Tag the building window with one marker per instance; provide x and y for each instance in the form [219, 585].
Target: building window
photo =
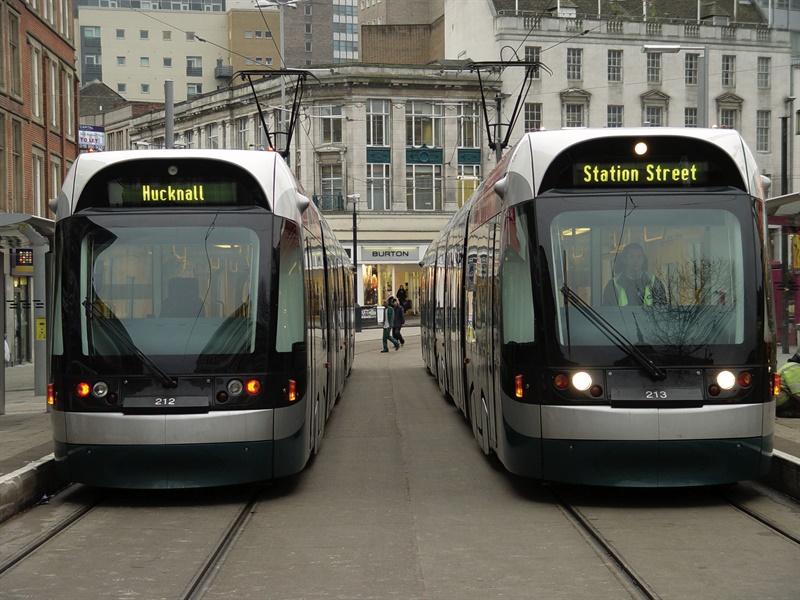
[690, 117]
[728, 70]
[653, 116]
[122, 88]
[654, 67]
[614, 115]
[120, 34]
[615, 66]
[248, 34]
[424, 187]
[144, 34]
[55, 176]
[194, 66]
[309, 47]
[308, 28]
[120, 61]
[532, 54]
[691, 64]
[69, 103]
[243, 133]
[763, 72]
[37, 184]
[423, 124]
[212, 135]
[330, 120]
[378, 120]
[575, 64]
[144, 61]
[574, 115]
[762, 130]
[727, 118]
[36, 82]
[145, 88]
[330, 177]
[167, 62]
[166, 36]
[379, 186]
[15, 54]
[469, 178]
[533, 116]
[54, 95]
[468, 125]
[17, 177]
[193, 89]
[190, 36]
[4, 207]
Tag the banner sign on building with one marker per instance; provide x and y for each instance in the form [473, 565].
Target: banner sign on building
[387, 254]
[91, 138]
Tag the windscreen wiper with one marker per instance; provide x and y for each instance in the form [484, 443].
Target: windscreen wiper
[120, 336]
[613, 334]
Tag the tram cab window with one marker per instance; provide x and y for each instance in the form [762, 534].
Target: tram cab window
[176, 292]
[517, 286]
[691, 290]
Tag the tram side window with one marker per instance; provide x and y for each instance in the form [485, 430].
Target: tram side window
[517, 285]
[290, 323]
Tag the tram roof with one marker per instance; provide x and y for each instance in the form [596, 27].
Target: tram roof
[268, 168]
[544, 146]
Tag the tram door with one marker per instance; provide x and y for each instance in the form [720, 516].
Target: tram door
[493, 364]
[317, 344]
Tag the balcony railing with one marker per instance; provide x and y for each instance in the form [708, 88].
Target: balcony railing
[194, 71]
[329, 203]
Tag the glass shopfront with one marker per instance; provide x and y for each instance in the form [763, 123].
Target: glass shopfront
[390, 271]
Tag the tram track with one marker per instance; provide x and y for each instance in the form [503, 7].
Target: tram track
[633, 583]
[45, 537]
[767, 522]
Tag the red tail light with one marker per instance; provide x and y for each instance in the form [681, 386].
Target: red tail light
[518, 386]
[253, 386]
[83, 389]
[51, 395]
[776, 384]
[291, 392]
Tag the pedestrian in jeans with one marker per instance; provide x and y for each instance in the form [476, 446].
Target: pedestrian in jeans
[388, 321]
[399, 321]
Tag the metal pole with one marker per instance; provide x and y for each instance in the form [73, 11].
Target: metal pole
[786, 287]
[282, 9]
[169, 114]
[498, 147]
[355, 264]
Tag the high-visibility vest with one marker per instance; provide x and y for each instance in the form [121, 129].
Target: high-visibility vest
[622, 296]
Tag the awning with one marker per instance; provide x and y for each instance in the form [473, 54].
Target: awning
[18, 230]
[784, 206]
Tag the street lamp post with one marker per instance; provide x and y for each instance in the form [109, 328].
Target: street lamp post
[702, 74]
[355, 198]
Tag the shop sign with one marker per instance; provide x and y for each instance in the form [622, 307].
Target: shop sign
[393, 254]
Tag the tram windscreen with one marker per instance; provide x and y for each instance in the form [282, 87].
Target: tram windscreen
[667, 272]
[187, 292]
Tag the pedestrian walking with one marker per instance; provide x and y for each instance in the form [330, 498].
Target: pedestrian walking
[388, 322]
[399, 321]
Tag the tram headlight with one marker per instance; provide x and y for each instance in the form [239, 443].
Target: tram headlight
[582, 381]
[100, 389]
[726, 380]
[235, 387]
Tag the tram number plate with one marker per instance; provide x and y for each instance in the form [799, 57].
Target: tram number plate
[165, 401]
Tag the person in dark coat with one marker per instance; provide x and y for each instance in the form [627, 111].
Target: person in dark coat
[399, 321]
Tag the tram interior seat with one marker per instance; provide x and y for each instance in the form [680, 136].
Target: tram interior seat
[183, 298]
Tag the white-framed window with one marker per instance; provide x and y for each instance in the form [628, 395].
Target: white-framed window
[575, 64]
[424, 187]
[379, 194]
[690, 118]
[36, 82]
[532, 54]
[763, 78]
[423, 123]
[691, 64]
[145, 88]
[122, 88]
[615, 114]
[615, 66]
[574, 115]
[37, 183]
[654, 67]
[121, 61]
[469, 124]
[653, 116]
[166, 35]
[728, 70]
[378, 122]
[144, 61]
[330, 124]
[469, 178]
[55, 94]
[762, 130]
[144, 34]
[167, 62]
[55, 176]
[728, 118]
[243, 133]
[330, 177]
[533, 116]
[193, 89]
[14, 53]
[69, 104]
[212, 135]
[120, 34]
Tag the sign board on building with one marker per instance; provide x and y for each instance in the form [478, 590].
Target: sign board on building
[390, 254]
[21, 262]
[91, 138]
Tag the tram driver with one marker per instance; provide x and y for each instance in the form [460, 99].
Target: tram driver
[633, 284]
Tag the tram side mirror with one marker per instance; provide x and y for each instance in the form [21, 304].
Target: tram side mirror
[501, 187]
[303, 202]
